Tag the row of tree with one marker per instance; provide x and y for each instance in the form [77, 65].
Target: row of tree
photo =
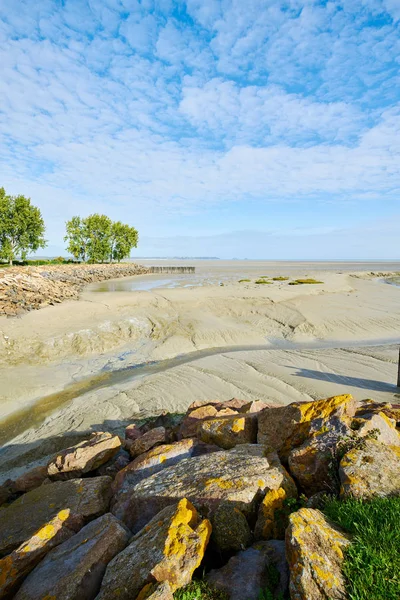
[98, 239]
[94, 239]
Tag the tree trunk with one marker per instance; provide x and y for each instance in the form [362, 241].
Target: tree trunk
[11, 262]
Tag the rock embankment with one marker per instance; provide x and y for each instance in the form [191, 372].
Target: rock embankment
[215, 491]
[30, 288]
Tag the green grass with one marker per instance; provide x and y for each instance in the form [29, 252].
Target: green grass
[36, 263]
[262, 281]
[304, 281]
[280, 278]
[244, 280]
[199, 590]
[372, 562]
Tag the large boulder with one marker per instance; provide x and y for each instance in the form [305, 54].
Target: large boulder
[85, 498]
[147, 464]
[249, 572]
[239, 477]
[168, 549]
[314, 463]
[74, 570]
[84, 457]
[286, 427]
[314, 550]
[229, 431]
[372, 470]
[16, 566]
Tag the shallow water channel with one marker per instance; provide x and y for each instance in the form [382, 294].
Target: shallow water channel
[35, 413]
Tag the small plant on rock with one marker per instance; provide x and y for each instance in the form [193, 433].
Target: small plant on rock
[199, 590]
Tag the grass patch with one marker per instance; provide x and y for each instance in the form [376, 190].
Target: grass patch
[37, 263]
[280, 278]
[304, 281]
[262, 281]
[244, 280]
[199, 590]
[372, 562]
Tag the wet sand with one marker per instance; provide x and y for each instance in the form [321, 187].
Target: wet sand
[276, 328]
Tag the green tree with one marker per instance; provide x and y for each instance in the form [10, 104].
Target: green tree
[123, 239]
[77, 238]
[21, 227]
[99, 231]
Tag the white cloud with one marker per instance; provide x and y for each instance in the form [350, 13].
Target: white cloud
[126, 107]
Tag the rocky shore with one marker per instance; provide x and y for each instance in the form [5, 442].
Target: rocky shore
[230, 492]
[28, 288]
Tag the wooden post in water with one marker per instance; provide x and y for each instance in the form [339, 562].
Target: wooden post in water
[398, 372]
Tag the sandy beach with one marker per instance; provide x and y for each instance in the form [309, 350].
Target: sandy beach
[137, 346]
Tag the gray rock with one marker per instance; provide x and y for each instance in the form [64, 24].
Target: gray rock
[74, 570]
[86, 498]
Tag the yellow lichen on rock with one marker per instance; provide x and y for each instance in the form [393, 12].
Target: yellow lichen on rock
[373, 470]
[15, 566]
[168, 549]
[267, 528]
[229, 431]
[314, 550]
[286, 427]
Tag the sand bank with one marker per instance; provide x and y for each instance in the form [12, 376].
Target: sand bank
[46, 351]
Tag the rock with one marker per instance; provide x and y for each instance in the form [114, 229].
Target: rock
[147, 441]
[86, 498]
[7, 492]
[168, 549]
[256, 406]
[196, 413]
[240, 476]
[74, 570]
[17, 565]
[228, 432]
[115, 464]
[272, 518]
[147, 464]
[386, 428]
[201, 448]
[84, 457]
[230, 529]
[314, 550]
[235, 404]
[11, 489]
[27, 288]
[314, 463]
[132, 432]
[156, 591]
[247, 573]
[170, 422]
[373, 470]
[285, 427]
[30, 480]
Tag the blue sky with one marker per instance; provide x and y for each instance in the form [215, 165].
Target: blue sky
[257, 128]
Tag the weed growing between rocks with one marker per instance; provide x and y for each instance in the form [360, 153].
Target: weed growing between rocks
[199, 590]
[372, 561]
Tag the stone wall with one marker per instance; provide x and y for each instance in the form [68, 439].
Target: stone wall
[29, 288]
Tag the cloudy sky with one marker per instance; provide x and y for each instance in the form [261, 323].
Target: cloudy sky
[256, 128]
